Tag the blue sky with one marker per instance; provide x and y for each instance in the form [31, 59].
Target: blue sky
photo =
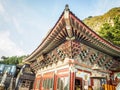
[24, 23]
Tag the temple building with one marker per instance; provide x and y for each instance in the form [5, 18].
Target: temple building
[74, 57]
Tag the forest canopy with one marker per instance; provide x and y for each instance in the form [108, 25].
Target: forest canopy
[111, 32]
[12, 60]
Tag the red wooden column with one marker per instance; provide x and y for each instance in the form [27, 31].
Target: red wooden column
[72, 80]
[55, 82]
[34, 84]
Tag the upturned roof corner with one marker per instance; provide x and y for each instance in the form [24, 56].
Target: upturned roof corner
[68, 23]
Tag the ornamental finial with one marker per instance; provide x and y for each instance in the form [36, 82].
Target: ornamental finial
[66, 7]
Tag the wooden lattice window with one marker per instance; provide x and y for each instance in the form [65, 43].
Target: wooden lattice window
[93, 57]
[91, 60]
[48, 83]
[111, 61]
[81, 55]
[102, 60]
[107, 66]
[61, 54]
[38, 84]
[99, 63]
[62, 83]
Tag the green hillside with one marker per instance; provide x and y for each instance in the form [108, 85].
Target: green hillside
[97, 21]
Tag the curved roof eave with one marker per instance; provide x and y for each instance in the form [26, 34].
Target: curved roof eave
[53, 38]
[45, 41]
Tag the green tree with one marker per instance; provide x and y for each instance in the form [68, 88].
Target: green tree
[111, 33]
[12, 60]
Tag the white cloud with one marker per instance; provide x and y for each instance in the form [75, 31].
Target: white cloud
[9, 18]
[2, 10]
[7, 46]
[17, 25]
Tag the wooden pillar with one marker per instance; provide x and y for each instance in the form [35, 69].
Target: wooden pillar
[55, 82]
[34, 83]
[41, 82]
[72, 80]
[92, 83]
